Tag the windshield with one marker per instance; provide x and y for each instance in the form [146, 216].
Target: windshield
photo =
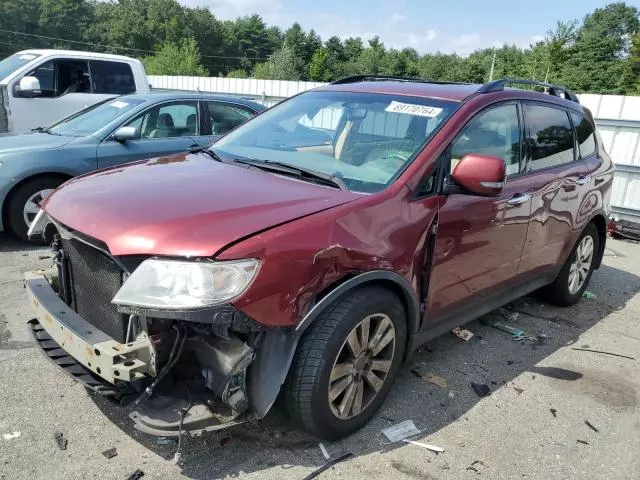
[364, 139]
[14, 62]
[93, 118]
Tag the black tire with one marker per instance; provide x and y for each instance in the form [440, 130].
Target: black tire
[19, 198]
[307, 386]
[558, 292]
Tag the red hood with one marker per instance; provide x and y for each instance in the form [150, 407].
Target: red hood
[187, 205]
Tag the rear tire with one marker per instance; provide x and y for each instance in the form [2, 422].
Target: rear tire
[326, 352]
[23, 202]
[567, 289]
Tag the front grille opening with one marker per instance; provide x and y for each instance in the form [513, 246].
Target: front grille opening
[95, 279]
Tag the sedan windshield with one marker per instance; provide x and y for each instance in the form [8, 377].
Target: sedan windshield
[364, 140]
[14, 62]
[93, 118]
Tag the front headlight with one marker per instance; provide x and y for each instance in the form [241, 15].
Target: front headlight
[177, 285]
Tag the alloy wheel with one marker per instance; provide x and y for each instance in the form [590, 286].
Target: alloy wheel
[362, 365]
[31, 206]
[581, 264]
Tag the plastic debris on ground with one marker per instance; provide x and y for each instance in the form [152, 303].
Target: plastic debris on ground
[165, 440]
[11, 436]
[327, 466]
[462, 333]
[590, 425]
[325, 454]
[481, 389]
[433, 378]
[433, 448]
[516, 333]
[603, 352]
[588, 294]
[110, 453]
[60, 439]
[400, 431]
[554, 412]
[136, 475]
[509, 315]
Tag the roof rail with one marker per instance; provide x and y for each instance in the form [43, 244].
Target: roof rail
[556, 90]
[382, 78]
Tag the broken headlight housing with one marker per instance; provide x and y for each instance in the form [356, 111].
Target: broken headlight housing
[179, 285]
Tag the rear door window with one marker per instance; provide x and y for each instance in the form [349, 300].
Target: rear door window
[585, 135]
[112, 77]
[550, 136]
[224, 117]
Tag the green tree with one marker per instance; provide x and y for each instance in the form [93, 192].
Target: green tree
[634, 62]
[66, 19]
[172, 59]
[371, 60]
[282, 65]
[319, 70]
[597, 60]
[237, 74]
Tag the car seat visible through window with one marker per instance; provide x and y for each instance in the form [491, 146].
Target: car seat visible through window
[164, 126]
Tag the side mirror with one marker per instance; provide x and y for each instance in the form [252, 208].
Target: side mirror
[125, 133]
[28, 87]
[480, 174]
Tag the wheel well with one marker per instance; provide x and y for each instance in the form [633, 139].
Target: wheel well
[14, 189]
[601, 224]
[403, 295]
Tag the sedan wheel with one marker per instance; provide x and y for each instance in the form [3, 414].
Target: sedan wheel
[31, 207]
[362, 366]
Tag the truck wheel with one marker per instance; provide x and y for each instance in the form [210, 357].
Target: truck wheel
[23, 204]
[574, 277]
[346, 363]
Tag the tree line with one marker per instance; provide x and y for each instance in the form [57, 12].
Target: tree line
[598, 54]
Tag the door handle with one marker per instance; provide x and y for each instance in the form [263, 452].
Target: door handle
[583, 179]
[519, 199]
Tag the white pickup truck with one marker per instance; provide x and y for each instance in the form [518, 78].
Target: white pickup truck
[38, 87]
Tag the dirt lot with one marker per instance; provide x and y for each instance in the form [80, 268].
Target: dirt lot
[531, 426]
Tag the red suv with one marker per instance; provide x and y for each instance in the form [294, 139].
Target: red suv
[314, 248]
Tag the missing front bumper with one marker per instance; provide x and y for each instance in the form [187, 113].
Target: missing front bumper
[91, 348]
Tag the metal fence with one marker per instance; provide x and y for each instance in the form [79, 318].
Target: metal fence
[617, 116]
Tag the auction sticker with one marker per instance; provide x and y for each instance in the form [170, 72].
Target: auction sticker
[119, 104]
[413, 109]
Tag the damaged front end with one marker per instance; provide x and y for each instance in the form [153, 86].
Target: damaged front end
[127, 328]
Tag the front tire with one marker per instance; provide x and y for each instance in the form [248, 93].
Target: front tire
[576, 272]
[346, 363]
[23, 204]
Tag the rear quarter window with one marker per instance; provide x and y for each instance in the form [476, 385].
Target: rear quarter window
[584, 134]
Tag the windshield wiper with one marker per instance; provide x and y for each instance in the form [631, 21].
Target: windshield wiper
[44, 130]
[303, 173]
[206, 151]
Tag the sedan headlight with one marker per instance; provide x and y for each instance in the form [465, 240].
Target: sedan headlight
[177, 285]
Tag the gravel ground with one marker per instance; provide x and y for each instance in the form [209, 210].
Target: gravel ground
[531, 426]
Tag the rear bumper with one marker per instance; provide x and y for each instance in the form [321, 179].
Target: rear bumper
[92, 349]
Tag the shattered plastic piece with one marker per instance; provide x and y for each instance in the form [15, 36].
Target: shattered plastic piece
[509, 315]
[324, 451]
[435, 379]
[433, 448]
[554, 412]
[165, 441]
[588, 294]
[136, 475]
[401, 431]
[11, 436]
[518, 390]
[60, 439]
[589, 424]
[481, 389]
[328, 465]
[110, 453]
[516, 333]
[462, 333]
[582, 442]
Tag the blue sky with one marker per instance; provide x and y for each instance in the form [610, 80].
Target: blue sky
[447, 25]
